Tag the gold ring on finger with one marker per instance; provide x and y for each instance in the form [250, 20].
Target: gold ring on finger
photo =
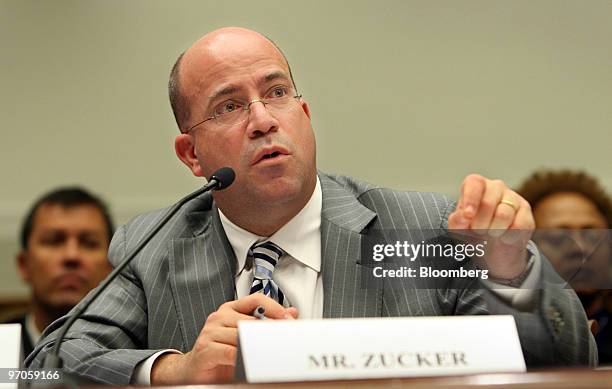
[510, 203]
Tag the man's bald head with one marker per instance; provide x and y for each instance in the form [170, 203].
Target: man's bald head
[207, 44]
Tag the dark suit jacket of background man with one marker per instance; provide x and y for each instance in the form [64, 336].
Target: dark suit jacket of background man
[184, 274]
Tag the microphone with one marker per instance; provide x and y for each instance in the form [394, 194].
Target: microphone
[219, 180]
[223, 178]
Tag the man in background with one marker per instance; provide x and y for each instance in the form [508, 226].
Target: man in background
[573, 213]
[64, 244]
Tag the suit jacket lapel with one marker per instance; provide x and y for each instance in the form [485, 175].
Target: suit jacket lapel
[343, 218]
[202, 268]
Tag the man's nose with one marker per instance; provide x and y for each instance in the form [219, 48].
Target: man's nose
[72, 253]
[579, 237]
[260, 120]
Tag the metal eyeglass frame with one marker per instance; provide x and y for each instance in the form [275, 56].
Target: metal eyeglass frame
[247, 107]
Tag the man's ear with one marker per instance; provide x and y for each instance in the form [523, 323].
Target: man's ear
[305, 107]
[22, 265]
[185, 149]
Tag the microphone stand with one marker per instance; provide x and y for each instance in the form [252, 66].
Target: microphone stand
[221, 179]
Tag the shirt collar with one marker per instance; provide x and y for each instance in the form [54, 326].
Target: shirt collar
[300, 237]
[31, 329]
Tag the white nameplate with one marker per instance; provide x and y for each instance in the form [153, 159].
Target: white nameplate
[330, 349]
[10, 356]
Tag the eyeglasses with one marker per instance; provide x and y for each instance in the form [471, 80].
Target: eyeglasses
[233, 112]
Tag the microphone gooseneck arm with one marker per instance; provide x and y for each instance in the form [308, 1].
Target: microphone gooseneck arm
[221, 179]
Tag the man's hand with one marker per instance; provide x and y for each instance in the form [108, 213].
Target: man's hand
[213, 356]
[490, 207]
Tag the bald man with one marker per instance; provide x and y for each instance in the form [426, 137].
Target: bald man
[286, 237]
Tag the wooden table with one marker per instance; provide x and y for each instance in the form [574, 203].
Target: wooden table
[549, 379]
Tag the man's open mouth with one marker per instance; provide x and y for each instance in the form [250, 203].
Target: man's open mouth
[271, 155]
[268, 154]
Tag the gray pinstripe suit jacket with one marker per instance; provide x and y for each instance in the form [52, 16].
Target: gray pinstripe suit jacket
[163, 299]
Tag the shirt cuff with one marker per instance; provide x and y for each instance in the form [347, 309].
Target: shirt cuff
[142, 371]
[524, 297]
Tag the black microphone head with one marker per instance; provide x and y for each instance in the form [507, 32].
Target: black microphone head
[224, 177]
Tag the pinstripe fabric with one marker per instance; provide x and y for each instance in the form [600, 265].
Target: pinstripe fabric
[164, 297]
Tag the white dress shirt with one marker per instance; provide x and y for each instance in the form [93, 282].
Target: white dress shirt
[298, 272]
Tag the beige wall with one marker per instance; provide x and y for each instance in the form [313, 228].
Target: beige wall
[410, 94]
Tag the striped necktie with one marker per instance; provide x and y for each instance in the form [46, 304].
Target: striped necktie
[265, 257]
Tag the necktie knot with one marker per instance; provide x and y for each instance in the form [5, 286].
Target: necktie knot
[265, 258]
